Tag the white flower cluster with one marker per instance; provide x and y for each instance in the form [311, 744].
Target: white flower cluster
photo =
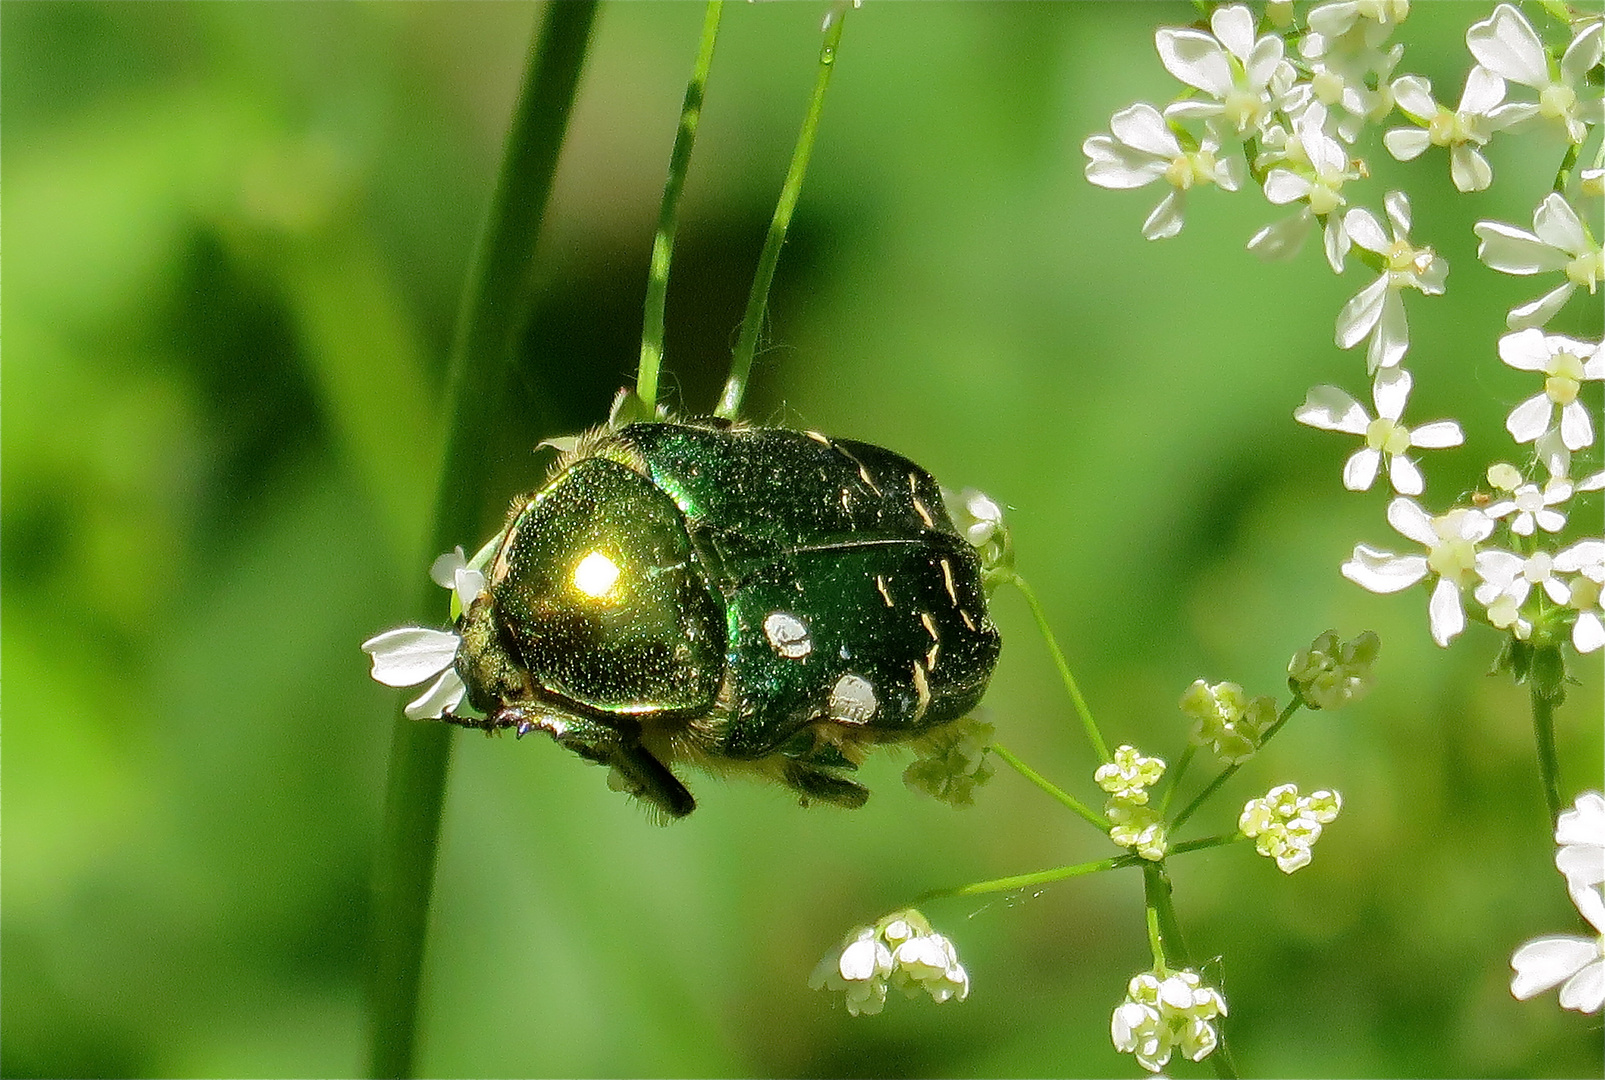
[1284, 825]
[1575, 964]
[980, 520]
[1279, 105]
[414, 654]
[1165, 1013]
[1134, 824]
[900, 950]
[1331, 673]
[1226, 720]
[952, 761]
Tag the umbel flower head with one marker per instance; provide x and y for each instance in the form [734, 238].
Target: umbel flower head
[1133, 823]
[1167, 1012]
[1330, 674]
[900, 950]
[414, 654]
[1226, 720]
[1284, 825]
[952, 761]
[1575, 964]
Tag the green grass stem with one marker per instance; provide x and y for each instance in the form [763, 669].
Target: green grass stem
[735, 387]
[495, 307]
[657, 282]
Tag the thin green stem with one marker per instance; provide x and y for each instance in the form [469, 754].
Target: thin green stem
[735, 387]
[1171, 949]
[1231, 770]
[1546, 679]
[1563, 174]
[1026, 881]
[1155, 945]
[657, 282]
[495, 308]
[1091, 727]
[1097, 820]
[1173, 781]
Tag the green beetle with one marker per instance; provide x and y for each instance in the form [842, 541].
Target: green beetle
[744, 599]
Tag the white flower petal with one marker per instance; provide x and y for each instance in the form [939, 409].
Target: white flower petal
[1437, 435]
[1557, 224]
[1390, 392]
[1335, 240]
[1582, 54]
[1530, 419]
[1282, 239]
[1111, 164]
[1392, 337]
[1505, 44]
[1261, 66]
[1140, 126]
[1406, 143]
[1412, 522]
[1195, 58]
[1444, 613]
[1166, 220]
[1540, 311]
[1405, 476]
[1468, 169]
[1548, 961]
[445, 694]
[1398, 207]
[1525, 350]
[1360, 471]
[1483, 93]
[1359, 316]
[1383, 571]
[1576, 429]
[1585, 991]
[1330, 409]
[1413, 94]
[1365, 230]
[411, 655]
[1283, 186]
[1234, 26]
[1588, 633]
[1515, 251]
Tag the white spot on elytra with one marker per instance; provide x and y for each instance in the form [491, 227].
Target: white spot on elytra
[788, 635]
[852, 700]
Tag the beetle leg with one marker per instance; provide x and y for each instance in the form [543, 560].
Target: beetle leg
[813, 783]
[644, 775]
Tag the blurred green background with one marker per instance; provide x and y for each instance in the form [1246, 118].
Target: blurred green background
[235, 237]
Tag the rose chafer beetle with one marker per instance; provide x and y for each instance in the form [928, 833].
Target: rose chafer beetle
[742, 599]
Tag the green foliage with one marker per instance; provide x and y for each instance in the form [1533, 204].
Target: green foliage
[236, 238]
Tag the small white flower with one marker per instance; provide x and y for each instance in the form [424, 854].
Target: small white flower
[1580, 837]
[1464, 130]
[1575, 964]
[1225, 720]
[1330, 674]
[1142, 149]
[1230, 65]
[1531, 506]
[1451, 541]
[980, 521]
[414, 654]
[1330, 409]
[1377, 310]
[1586, 558]
[1129, 776]
[1558, 242]
[451, 571]
[900, 950]
[1138, 827]
[1316, 178]
[1284, 825]
[1506, 44]
[1165, 1013]
[1566, 363]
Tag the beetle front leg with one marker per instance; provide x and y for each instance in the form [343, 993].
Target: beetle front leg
[644, 775]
